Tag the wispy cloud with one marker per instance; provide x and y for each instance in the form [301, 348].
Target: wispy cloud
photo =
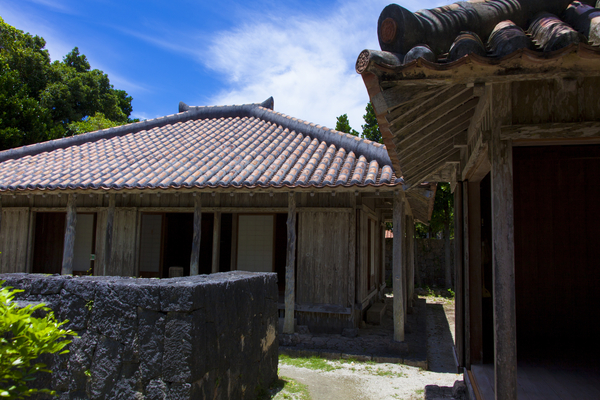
[306, 63]
[53, 4]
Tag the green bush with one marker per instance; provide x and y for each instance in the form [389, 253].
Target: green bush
[23, 339]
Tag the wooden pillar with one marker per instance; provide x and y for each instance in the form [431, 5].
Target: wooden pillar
[382, 252]
[397, 268]
[216, 242]
[352, 255]
[459, 276]
[290, 268]
[69, 247]
[110, 218]
[234, 241]
[405, 265]
[466, 274]
[195, 258]
[503, 253]
[411, 260]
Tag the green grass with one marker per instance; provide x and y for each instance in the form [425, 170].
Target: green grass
[388, 373]
[286, 388]
[314, 363]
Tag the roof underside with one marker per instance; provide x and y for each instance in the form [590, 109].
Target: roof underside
[427, 83]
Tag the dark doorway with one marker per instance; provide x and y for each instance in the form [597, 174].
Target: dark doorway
[49, 242]
[280, 250]
[178, 235]
[557, 272]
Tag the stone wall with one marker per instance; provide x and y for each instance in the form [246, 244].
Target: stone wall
[207, 336]
[429, 261]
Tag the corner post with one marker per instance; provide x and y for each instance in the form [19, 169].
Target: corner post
[195, 257]
[411, 260]
[397, 268]
[503, 253]
[459, 274]
[290, 268]
[69, 247]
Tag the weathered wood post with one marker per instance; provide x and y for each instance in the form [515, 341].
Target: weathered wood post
[411, 260]
[110, 218]
[290, 268]
[352, 254]
[397, 268]
[195, 257]
[458, 274]
[216, 242]
[69, 247]
[503, 252]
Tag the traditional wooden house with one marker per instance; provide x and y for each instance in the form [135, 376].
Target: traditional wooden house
[206, 190]
[501, 98]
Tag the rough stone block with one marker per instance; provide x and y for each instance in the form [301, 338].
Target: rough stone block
[106, 367]
[151, 331]
[178, 348]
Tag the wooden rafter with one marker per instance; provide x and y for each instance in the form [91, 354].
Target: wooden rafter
[421, 116]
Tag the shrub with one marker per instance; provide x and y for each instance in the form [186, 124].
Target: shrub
[23, 338]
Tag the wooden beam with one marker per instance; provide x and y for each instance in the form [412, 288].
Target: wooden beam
[475, 322]
[69, 246]
[503, 252]
[216, 249]
[197, 236]
[290, 268]
[397, 267]
[108, 234]
[587, 130]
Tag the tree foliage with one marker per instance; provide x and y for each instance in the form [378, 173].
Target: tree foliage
[23, 339]
[40, 99]
[370, 128]
[343, 125]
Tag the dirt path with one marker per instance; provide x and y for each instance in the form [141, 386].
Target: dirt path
[370, 381]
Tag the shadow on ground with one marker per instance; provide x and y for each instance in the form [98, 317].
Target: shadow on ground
[439, 335]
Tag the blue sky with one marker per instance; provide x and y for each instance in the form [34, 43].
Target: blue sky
[218, 52]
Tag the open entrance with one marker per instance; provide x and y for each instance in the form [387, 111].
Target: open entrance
[50, 238]
[166, 242]
[556, 261]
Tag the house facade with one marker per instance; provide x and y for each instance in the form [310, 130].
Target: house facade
[501, 100]
[206, 190]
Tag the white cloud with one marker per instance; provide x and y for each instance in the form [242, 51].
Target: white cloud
[306, 63]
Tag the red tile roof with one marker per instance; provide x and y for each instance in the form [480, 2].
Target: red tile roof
[230, 146]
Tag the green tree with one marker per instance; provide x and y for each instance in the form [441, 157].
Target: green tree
[371, 127]
[94, 123]
[23, 339]
[343, 125]
[39, 99]
[442, 220]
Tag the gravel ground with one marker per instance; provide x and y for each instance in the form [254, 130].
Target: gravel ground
[366, 381]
